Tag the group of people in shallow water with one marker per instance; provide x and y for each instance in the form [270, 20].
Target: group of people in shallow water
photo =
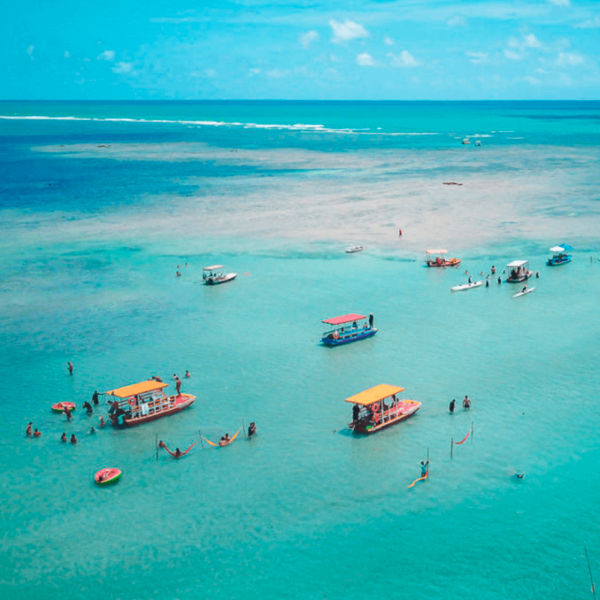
[466, 404]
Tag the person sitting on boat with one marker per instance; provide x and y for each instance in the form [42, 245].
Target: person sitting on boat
[355, 413]
[251, 429]
[371, 319]
[424, 467]
[354, 325]
[467, 402]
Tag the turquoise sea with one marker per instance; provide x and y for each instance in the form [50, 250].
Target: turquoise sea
[101, 202]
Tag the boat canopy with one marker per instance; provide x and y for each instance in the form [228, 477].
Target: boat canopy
[375, 394]
[138, 388]
[561, 248]
[436, 251]
[515, 264]
[343, 319]
[214, 267]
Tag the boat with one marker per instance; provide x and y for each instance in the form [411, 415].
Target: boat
[465, 142]
[361, 327]
[144, 402]
[561, 256]
[60, 406]
[214, 275]
[523, 292]
[435, 258]
[353, 249]
[466, 286]
[519, 271]
[107, 476]
[372, 413]
[478, 143]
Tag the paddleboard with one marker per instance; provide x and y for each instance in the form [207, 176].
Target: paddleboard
[523, 293]
[466, 286]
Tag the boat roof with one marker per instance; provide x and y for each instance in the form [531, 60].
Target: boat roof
[561, 248]
[375, 394]
[517, 263]
[214, 267]
[436, 251]
[138, 388]
[343, 319]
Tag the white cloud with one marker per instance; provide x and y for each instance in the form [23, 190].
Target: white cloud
[277, 73]
[456, 21]
[589, 24]
[365, 60]
[346, 31]
[513, 55]
[107, 55]
[388, 41]
[560, 2]
[307, 38]
[530, 41]
[477, 58]
[404, 60]
[67, 54]
[568, 59]
[123, 67]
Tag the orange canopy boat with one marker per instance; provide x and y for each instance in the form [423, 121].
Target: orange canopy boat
[435, 258]
[144, 402]
[380, 407]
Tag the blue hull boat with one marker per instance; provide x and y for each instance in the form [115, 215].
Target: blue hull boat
[361, 334]
[556, 261]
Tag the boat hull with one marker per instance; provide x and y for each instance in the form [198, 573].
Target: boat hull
[176, 404]
[226, 279]
[366, 428]
[555, 262]
[452, 262]
[355, 337]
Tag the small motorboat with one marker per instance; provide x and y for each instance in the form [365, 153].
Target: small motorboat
[466, 286]
[214, 275]
[379, 407]
[465, 142]
[60, 406]
[339, 330]
[561, 256]
[526, 290]
[435, 258]
[353, 249]
[519, 271]
[107, 476]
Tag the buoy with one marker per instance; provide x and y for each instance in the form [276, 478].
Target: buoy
[107, 476]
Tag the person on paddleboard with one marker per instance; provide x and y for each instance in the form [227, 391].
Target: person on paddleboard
[524, 289]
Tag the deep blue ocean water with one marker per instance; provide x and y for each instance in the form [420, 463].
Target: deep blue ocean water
[96, 216]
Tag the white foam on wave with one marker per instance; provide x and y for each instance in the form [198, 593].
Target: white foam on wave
[307, 127]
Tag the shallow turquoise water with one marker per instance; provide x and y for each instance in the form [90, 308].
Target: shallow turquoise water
[303, 510]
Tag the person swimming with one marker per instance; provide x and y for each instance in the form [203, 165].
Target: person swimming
[102, 422]
[92, 429]
[37, 433]
[29, 429]
[63, 438]
[73, 439]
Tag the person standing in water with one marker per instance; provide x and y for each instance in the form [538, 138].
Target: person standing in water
[73, 439]
[452, 405]
[29, 429]
[467, 402]
[95, 398]
[424, 467]
[70, 366]
[251, 429]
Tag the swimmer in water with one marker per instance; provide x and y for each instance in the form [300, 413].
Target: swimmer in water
[519, 475]
[452, 405]
[29, 430]
[63, 438]
[37, 433]
[102, 422]
[187, 374]
[467, 402]
[73, 439]
[67, 411]
[92, 429]
[252, 428]
[70, 366]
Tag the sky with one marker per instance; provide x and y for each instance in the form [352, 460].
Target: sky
[300, 50]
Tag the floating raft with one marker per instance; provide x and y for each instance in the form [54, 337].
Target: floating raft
[107, 476]
[60, 406]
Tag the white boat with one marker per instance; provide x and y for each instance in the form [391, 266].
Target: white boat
[522, 293]
[214, 275]
[466, 142]
[353, 249]
[466, 286]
